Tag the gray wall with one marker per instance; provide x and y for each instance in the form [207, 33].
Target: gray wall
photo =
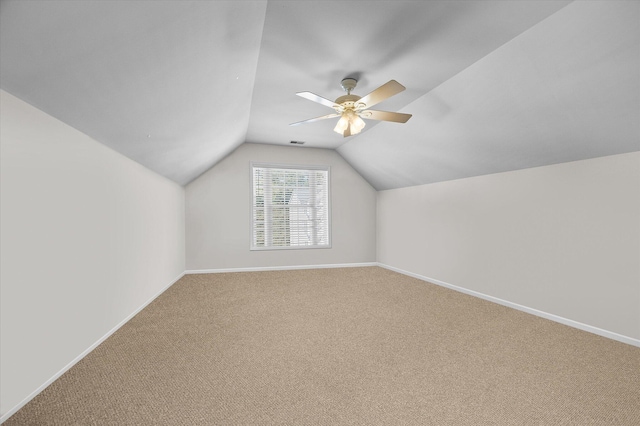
[562, 239]
[87, 238]
[219, 203]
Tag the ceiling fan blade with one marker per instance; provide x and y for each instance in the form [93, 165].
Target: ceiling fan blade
[396, 117]
[383, 92]
[311, 120]
[319, 99]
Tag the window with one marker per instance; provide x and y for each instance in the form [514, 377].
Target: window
[290, 207]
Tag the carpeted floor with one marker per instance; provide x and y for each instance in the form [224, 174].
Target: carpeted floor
[352, 346]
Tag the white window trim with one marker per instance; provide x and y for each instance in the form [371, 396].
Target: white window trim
[253, 164]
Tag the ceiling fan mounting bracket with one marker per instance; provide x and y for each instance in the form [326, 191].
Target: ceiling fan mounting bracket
[348, 84]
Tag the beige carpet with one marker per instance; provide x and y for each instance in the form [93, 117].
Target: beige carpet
[353, 346]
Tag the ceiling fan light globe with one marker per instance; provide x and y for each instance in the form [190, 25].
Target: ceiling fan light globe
[342, 125]
[357, 124]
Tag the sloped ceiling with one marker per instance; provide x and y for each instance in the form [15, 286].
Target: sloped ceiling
[177, 85]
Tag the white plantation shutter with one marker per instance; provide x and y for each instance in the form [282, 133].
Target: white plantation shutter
[290, 207]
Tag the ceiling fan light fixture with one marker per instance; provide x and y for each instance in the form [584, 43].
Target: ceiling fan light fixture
[349, 120]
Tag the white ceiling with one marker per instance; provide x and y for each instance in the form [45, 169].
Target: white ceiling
[492, 85]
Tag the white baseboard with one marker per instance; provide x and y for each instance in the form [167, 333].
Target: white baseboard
[42, 387]
[571, 323]
[279, 268]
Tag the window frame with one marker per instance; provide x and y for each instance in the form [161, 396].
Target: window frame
[254, 164]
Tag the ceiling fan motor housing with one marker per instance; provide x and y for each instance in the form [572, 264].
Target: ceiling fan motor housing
[347, 101]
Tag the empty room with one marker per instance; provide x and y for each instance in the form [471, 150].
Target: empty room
[319, 212]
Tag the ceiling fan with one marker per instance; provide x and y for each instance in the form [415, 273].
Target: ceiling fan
[352, 108]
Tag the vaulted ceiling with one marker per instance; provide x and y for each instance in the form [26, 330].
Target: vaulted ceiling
[177, 85]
